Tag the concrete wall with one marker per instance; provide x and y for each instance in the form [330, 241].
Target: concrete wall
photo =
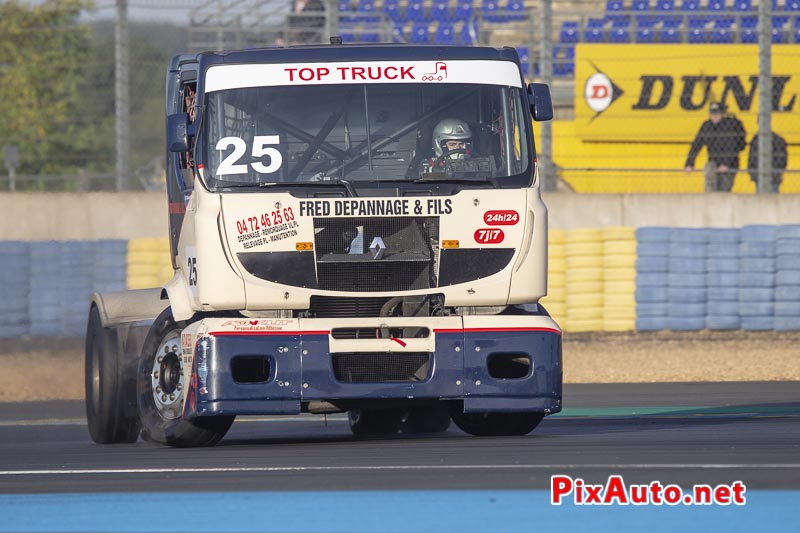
[63, 216]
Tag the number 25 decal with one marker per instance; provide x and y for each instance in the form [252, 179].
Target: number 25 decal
[261, 148]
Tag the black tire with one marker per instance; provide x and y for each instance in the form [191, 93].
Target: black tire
[107, 390]
[164, 422]
[496, 424]
[430, 419]
[375, 422]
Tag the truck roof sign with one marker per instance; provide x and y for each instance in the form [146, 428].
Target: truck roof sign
[222, 77]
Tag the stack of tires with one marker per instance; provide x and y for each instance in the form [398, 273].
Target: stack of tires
[556, 300]
[44, 301]
[148, 263]
[14, 286]
[584, 256]
[757, 277]
[686, 293]
[77, 266]
[619, 279]
[652, 268]
[109, 268]
[787, 279]
[723, 279]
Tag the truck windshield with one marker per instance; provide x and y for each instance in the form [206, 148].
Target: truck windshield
[366, 133]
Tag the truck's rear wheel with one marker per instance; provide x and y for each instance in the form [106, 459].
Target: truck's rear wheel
[496, 424]
[161, 391]
[375, 422]
[106, 390]
[430, 419]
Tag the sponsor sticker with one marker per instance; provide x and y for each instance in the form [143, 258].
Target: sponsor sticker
[501, 218]
[489, 236]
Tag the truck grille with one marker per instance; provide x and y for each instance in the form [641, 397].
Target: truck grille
[379, 367]
[345, 263]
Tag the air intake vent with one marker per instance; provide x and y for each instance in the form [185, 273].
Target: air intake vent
[379, 367]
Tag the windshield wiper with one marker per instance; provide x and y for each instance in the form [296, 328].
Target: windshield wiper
[447, 181]
[326, 183]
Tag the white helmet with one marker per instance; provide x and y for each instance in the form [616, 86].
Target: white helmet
[450, 129]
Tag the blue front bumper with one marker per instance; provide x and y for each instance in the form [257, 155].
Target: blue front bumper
[301, 370]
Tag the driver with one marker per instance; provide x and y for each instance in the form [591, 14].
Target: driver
[452, 139]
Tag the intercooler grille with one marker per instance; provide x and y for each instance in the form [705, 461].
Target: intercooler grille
[337, 307]
[345, 263]
[380, 367]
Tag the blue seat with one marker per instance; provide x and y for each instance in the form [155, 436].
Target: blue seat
[796, 30]
[748, 30]
[664, 5]
[419, 33]
[440, 10]
[444, 34]
[515, 10]
[615, 10]
[779, 29]
[463, 10]
[564, 60]
[415, 11]
[398, 32]
[524, 59]
[697, 30]
[569, 32]
[671, 31]
[391, 8]
[491, 12]
[620, 32]
[595, 31]
[792, 6]
[347, 37]
[370, 37]
[721, 31]
[716, 5]
[690, 5]
[366, 11]
[646, 31]
[742, 5]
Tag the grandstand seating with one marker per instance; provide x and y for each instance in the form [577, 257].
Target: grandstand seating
[447, 22]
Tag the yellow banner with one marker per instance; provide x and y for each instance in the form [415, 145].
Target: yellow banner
[660, 93]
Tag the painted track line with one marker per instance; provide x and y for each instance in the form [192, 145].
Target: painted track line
[210, 470]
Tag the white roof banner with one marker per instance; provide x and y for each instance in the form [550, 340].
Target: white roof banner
[222, 77]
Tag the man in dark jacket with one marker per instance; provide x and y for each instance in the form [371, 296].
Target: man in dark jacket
[724, 137]
[780, 157]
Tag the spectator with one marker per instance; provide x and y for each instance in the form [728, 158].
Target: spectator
[780, 158]
[724, 137]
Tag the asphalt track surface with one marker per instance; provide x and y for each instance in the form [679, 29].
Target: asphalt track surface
[676, 433]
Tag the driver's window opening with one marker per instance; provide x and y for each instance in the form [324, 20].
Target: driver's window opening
[189, 106]
[364, 133]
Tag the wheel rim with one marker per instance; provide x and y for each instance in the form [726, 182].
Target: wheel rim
[166, 377]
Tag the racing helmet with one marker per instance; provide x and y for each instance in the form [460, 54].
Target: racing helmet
[451, 129]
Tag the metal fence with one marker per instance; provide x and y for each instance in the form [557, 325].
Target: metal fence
[98, 122]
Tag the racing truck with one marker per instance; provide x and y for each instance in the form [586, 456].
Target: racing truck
[354, 229]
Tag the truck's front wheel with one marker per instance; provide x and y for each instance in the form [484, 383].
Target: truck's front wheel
[496, 424]
[161, 390]
[107, 390]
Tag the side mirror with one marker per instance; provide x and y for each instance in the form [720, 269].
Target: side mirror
[541, 103]
[178, 132]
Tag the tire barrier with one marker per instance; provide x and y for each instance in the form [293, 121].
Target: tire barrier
[149, 263]
[687, 293]
[619, 279]
[722, 280]
[757, 263]
[652, 278]
[14, 288]
[556, 300]
[787, 279]
[583, 252]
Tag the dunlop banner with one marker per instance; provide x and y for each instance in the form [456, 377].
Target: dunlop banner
[660, 93]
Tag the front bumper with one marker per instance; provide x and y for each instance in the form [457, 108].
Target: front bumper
[300, 355]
